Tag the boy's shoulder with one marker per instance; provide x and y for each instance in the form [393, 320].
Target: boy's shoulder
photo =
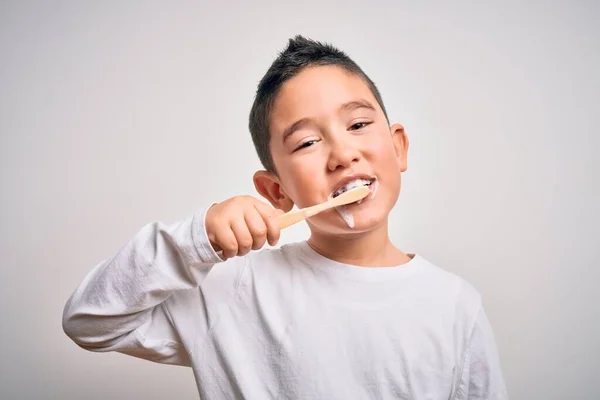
[445, 277]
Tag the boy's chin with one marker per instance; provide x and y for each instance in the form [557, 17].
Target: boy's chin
[363, 225]
[361, 222]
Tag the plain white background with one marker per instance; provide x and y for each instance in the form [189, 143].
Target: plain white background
[117, 113]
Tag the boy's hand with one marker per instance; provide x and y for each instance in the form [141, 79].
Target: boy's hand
[241, 224]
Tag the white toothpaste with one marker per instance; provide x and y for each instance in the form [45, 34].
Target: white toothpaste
[346, 216]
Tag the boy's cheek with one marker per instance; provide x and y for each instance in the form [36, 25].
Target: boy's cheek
[383, 155]
[310, 191]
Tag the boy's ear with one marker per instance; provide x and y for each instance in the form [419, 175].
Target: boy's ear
[269, 187]
[400, 141]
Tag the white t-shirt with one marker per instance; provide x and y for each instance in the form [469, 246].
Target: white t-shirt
[287, 323]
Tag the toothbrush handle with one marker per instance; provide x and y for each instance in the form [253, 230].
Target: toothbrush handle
[293, 217]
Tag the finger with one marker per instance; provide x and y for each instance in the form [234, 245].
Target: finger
[242, 235]
[269, 215]
[226, 241]
[257, 228]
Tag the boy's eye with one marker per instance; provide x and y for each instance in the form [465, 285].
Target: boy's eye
[306, 144]
[358, 125]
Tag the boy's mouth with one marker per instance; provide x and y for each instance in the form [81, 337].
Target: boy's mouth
[351, 183]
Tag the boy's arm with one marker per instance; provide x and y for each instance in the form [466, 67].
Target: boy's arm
[121, 303]
[481, 376]
[131, 303]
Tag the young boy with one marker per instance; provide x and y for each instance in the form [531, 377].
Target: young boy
[344, 315]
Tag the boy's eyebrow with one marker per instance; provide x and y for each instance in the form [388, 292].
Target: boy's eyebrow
[353, 105]
[349, 106]
[296, 126]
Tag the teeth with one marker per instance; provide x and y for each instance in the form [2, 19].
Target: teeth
[351, 185]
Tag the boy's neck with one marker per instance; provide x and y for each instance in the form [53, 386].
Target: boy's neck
[369, 249]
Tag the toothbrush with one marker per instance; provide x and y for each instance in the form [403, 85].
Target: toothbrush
[351, 196]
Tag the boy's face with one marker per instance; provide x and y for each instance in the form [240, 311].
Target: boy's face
[326, 128]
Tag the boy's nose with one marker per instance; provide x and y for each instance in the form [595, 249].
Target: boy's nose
[342, 155]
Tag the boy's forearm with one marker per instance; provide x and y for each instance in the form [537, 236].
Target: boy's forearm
[118, 295]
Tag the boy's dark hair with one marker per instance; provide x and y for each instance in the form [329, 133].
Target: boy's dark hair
[299, 54]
